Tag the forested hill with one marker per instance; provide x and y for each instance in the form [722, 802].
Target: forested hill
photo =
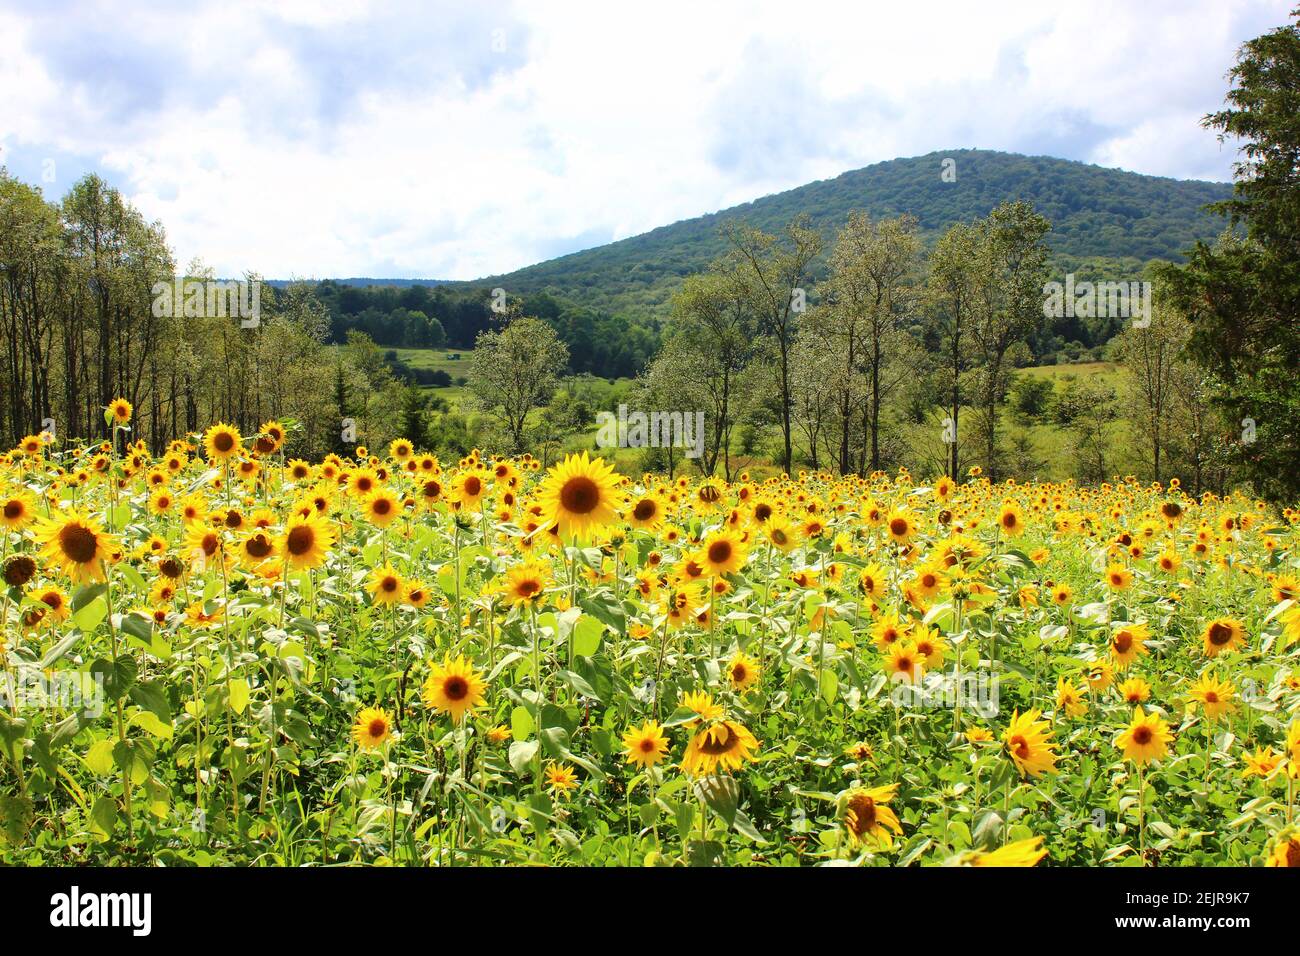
[607, 302]
[1104, 220]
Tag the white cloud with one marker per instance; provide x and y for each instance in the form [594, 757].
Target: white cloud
[353, 138]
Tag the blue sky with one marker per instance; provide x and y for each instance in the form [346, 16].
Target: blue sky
[450, 140]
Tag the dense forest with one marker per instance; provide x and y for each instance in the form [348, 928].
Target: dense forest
[424, 316]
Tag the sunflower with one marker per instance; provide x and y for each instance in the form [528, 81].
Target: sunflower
[222, 443]
[1118, 577]
[1069, 697]
[721, 554]
[577, 496]
[888, 630]
[56, 599]
[723, 745]
[18, 510]
[381, 507]
[306, 541]
[400, 449]
[900, 527]
[702, 703]
[871, 581]
[645, 745]
[203, 614]
[76, 544]
[119, 411]
[645, 512]
[742, 670]
[18, 570]
[781, 533]
[454, 687]
[1025, 852]
[372, 728]
[526, 583]
[1213, 695]
[710, 494]
[1263, 763]
[928, 582]
[1135, 690]
[561, 778]
[386, 586]
[270, 438]
[1029, 743]
[468, 488]
[903, 662]
[1062, 595]
[257, 546]
[867, 817]
[1127, 643]
[1222, 634]
[417, 595]
[1286, 852]
[1011, 520]
[1146, 738]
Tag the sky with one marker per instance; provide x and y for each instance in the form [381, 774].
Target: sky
[453, 140]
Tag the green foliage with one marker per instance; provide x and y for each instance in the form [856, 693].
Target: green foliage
[1104, 220]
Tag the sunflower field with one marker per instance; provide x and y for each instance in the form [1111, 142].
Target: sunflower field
[224, 655]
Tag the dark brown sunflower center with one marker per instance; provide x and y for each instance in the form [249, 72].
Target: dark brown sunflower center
[382, 506]
[78, 543]
[898, 527]
[300, 540]
[19, 570]
[1142, 736]
[864, 814]
[378, 727]
[223, 441]
[13, 509]
[716, 746]
[1220, 634]
[580, 495]
[720, 552]
[455, 688]
[473, 486]
[645, 510]
[259, 546]
[1123, 642]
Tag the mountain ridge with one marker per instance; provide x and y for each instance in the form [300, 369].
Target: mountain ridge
[1106, 222]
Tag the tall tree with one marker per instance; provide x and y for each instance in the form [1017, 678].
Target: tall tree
[515, 371]
[1012, 265]
[868, 294]
[952, 289]
[775, 274]
[1243, 292]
